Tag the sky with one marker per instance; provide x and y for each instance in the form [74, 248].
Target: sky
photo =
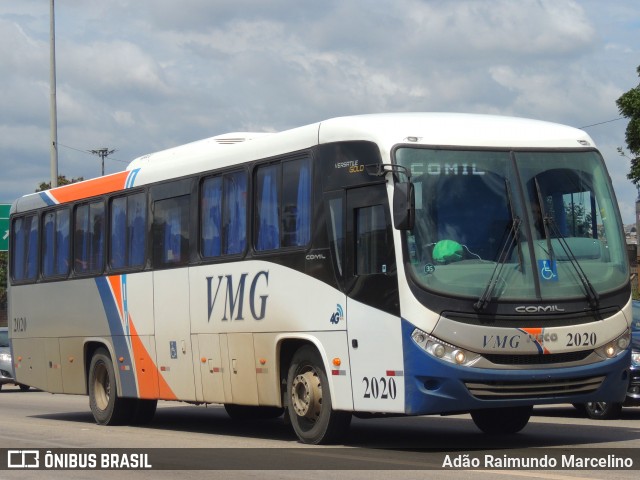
[138, 76]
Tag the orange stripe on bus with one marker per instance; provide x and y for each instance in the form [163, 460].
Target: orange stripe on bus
[150, 381]
[90, 188]
[533, 331]
[116, 287]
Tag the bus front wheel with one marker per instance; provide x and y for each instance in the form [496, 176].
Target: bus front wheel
[309, 400]
[106, 406]
[502, 421]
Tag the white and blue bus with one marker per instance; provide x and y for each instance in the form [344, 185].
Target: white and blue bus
[395, 264]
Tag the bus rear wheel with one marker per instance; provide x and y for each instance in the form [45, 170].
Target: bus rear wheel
[106, 406]
[502, 421]
[309, 401]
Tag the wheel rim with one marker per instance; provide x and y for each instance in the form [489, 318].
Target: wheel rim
[306, 395]
[101, 386]
[597, 407]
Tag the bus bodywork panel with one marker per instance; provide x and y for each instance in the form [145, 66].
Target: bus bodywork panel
[96, 312]
[377, 363]
[162, 165]
[452, 129]
[436, 386]
[532, 340]
[191, 345]
[261, 296]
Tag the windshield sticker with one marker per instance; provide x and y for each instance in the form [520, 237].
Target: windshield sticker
[548, 270]
[429, 269]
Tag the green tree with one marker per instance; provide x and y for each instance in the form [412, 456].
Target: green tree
[629, 107]
[578, 220]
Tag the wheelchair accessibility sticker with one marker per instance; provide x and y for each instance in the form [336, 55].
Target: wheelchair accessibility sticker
[548, 270]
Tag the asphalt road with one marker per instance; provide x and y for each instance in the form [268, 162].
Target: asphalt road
[204, 442]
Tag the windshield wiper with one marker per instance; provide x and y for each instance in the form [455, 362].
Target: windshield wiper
[592, 295]
[512, 237]
[485, 298]
[549, 223]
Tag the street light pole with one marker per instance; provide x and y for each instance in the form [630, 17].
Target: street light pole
[102, 153]
[53, 114]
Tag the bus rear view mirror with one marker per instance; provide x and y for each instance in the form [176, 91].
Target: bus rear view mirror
[403, 206]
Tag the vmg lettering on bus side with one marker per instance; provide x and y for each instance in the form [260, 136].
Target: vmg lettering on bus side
[234, 298]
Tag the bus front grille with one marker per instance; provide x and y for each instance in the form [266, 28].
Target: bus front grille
[550, 359]
[537, 389]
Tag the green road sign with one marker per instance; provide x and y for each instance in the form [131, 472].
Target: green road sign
[4, 227]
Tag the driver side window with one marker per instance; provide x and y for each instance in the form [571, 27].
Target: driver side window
[372, 242]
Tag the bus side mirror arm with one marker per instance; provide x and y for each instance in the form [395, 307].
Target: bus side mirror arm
[404, 206]
[404, 201]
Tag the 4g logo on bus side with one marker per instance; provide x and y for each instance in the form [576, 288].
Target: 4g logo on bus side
[233, 292]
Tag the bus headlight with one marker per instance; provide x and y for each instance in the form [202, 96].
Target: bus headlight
[635, 358]
[615, 347]
[442, 350]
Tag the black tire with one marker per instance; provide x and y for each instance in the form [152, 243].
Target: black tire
[603, 410]
[502, 421]
[246, 412]
[107, 407]
[23, 388]
[309, 401]
[143, 411]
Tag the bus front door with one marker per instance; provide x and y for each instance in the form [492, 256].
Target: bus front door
[373, 311]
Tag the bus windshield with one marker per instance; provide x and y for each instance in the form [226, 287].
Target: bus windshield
[547, 219]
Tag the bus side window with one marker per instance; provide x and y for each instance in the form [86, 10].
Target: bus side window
[128, 231]
[171, 231]
[268, 211]
[234, 213]
[223, 216]
[372, 247]
[211, 216]
[283, 205]
[117, 257]
[136, 229]
[55, 243]
[296, 201]
[336, 229]
[25, 248]
[89, 238]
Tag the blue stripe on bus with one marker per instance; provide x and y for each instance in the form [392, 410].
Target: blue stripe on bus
[46, 198]
[131, 178]
[127, 377]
